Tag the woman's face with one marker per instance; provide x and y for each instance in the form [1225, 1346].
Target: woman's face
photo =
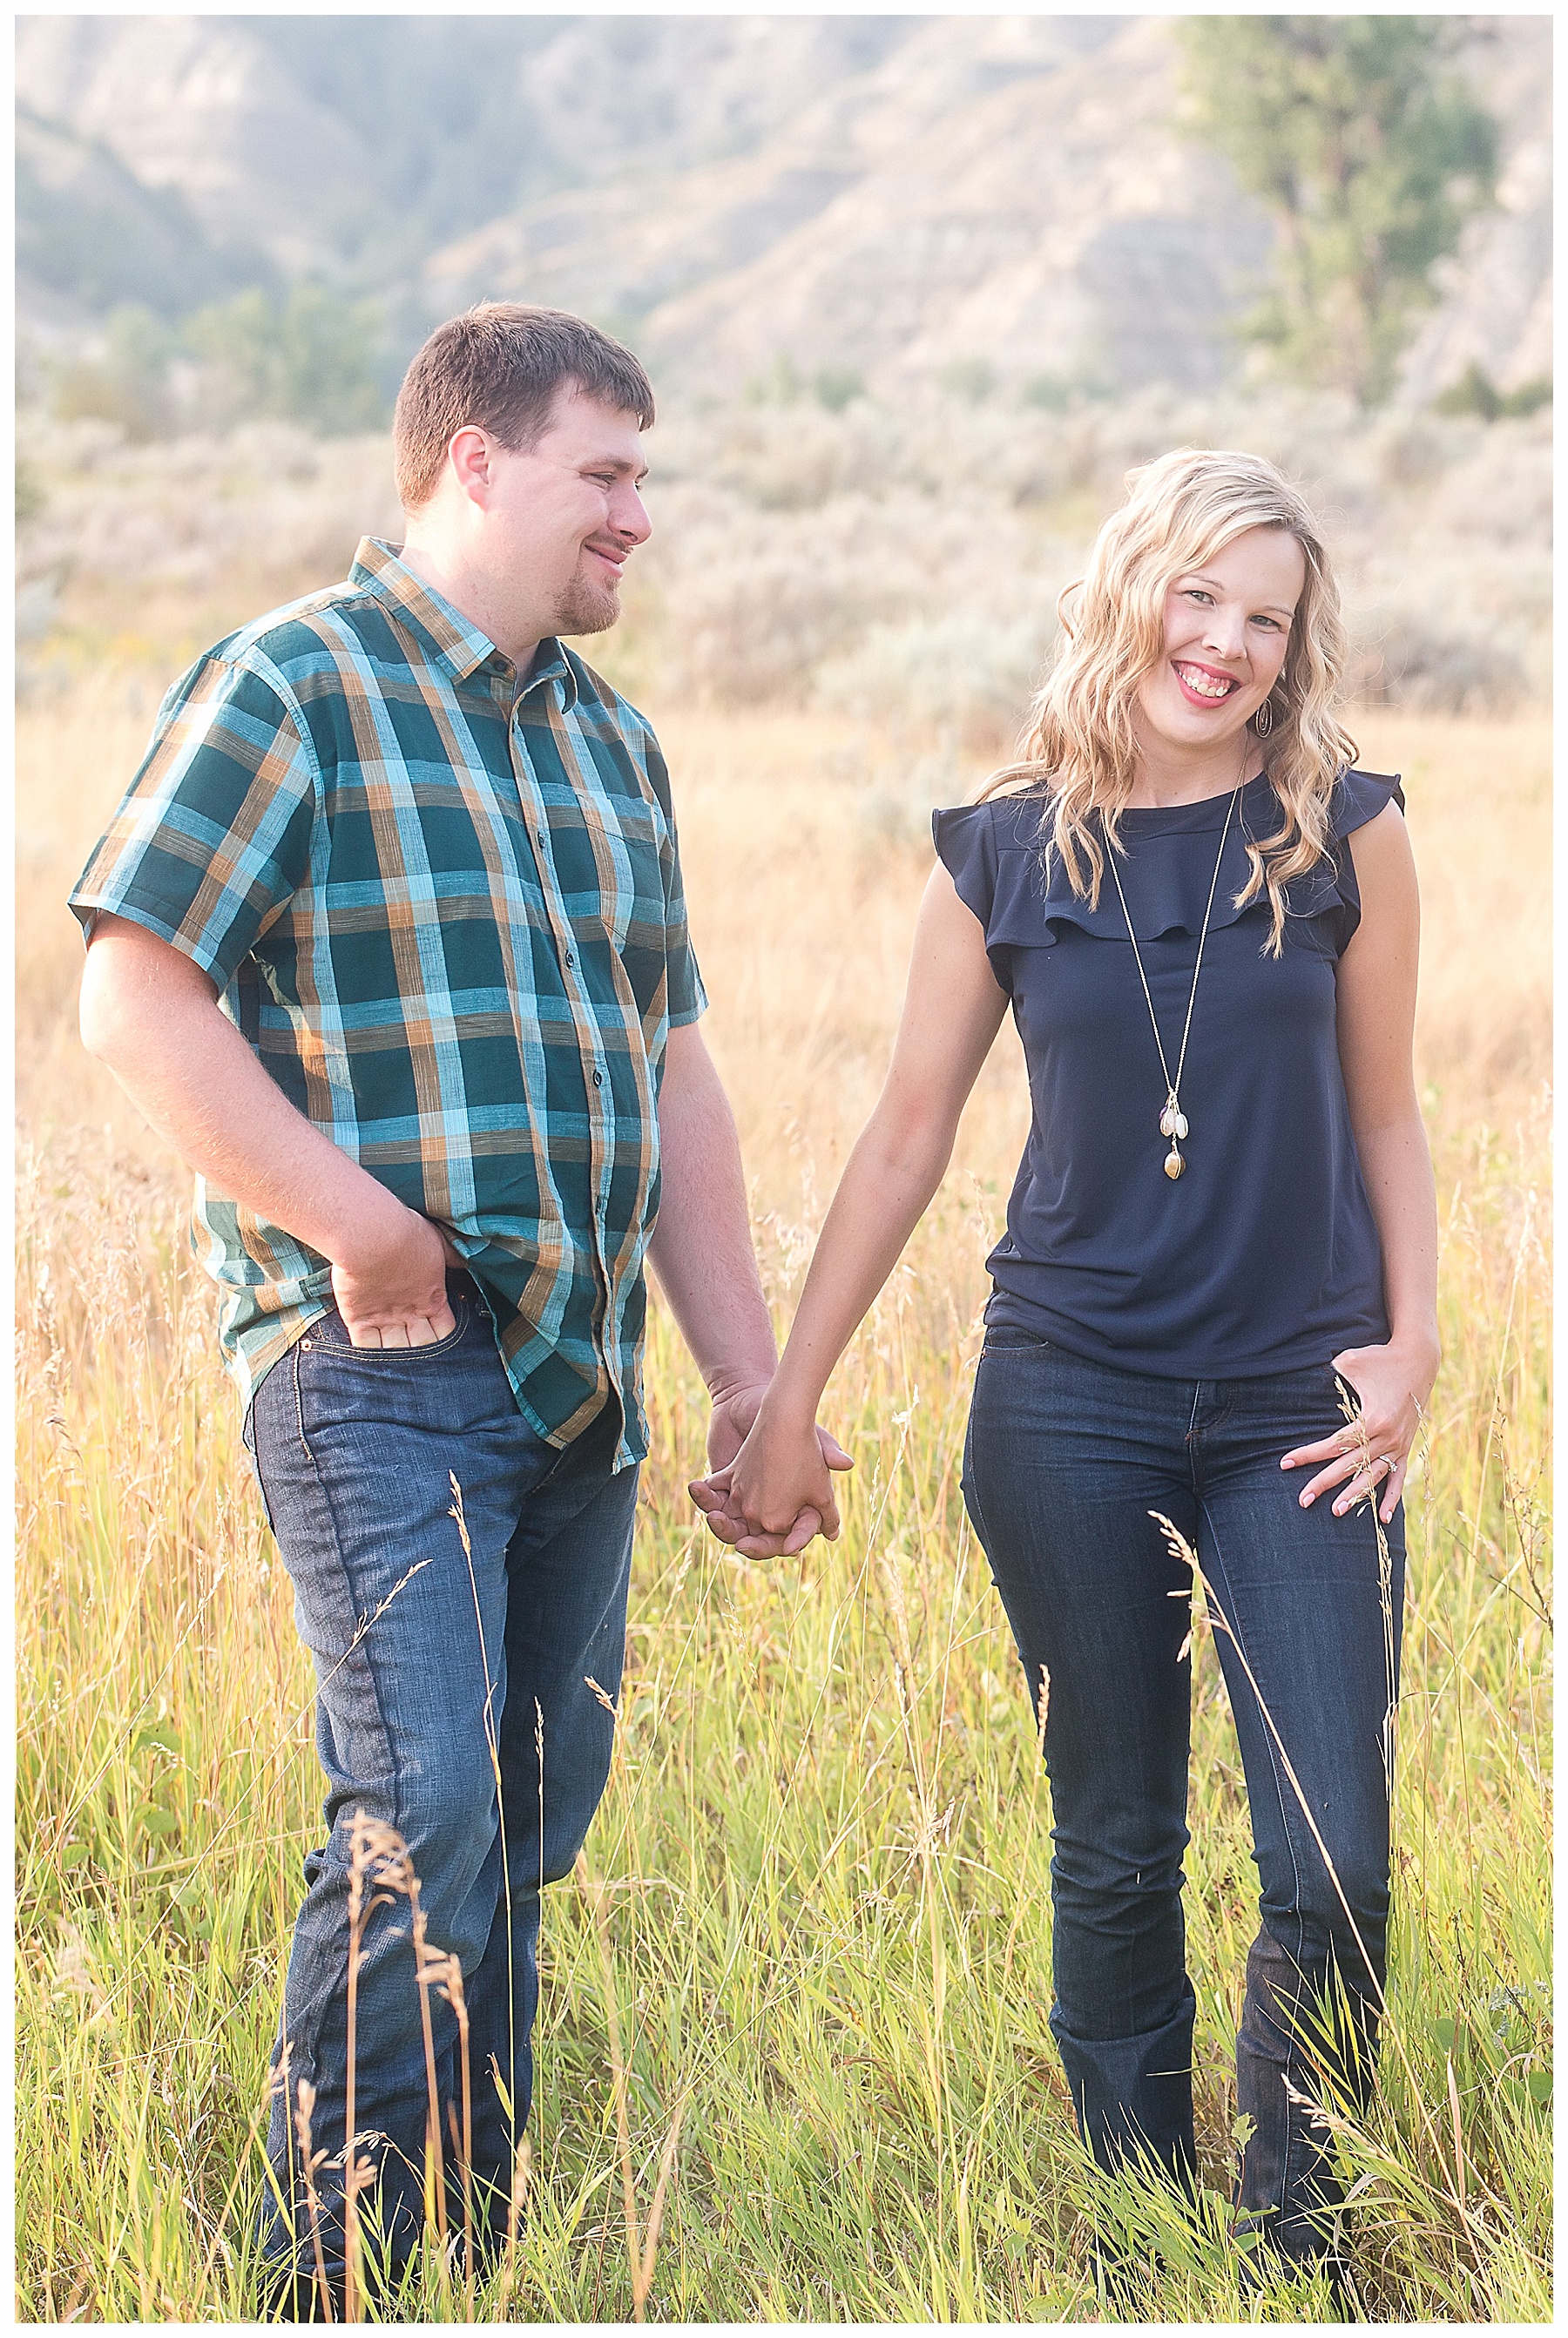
[1227, 629]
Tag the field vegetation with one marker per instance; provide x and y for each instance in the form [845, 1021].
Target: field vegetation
[815, 546]
[794, 2062]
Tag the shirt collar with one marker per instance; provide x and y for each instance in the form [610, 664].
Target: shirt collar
[551, 663]
[455, 639]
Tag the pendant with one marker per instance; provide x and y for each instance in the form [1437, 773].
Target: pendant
[1174, 1121]
[1175, 1165]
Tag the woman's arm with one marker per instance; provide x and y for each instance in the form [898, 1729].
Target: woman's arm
[952, 1008]
[1377, 1021]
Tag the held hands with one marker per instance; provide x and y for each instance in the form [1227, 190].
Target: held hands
[768, 1492]
[1392, 1384]
[391, 1289]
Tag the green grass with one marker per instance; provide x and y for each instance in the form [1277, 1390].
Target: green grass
[822, 1856]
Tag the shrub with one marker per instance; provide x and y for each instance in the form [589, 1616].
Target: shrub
[973, 378]
[899, 554]
[127, 384]
[957, 677]
[838, 387]
[1475, 392]
[1437, 663]
[30, 492]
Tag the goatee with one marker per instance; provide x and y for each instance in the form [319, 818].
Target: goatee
[582, 609]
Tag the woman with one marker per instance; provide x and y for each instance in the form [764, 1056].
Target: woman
[1206, 923]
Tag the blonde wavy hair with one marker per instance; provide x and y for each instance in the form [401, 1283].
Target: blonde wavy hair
[1082, 746]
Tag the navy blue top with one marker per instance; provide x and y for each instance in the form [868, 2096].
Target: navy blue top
[1264, 1256]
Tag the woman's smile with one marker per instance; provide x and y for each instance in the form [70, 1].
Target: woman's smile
[1203, 685]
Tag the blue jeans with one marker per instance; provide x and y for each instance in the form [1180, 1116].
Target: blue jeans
[1064, 1463]
[421, 1659]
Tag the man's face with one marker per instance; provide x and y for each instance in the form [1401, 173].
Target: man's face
[563, 517]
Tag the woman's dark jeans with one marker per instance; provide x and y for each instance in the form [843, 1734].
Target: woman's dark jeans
[1065, 1461]
[441, 1676]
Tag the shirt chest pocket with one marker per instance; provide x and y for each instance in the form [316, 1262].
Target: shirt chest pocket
[621, 848]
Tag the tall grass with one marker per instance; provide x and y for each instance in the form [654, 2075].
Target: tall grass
[798, 1995]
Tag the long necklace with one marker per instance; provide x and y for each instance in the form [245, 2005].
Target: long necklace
[1173, 1120]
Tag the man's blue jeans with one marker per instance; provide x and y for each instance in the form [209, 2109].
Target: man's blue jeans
[1064, 1461]
[422, 1658]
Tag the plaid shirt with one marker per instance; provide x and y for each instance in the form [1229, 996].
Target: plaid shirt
[446, 912]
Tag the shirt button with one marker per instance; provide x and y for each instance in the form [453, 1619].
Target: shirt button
[570, 959]
[598, 1079]
[542, 838]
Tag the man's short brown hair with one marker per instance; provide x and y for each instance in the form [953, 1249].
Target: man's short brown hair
[498, 367]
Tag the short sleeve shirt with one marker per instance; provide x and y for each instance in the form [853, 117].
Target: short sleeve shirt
[445, 907]
[1263, 1255]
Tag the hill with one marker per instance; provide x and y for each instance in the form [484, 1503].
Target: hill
[884, 196]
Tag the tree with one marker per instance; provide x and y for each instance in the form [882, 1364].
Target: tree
[127, 383]
[312, 359]
[1370, 152]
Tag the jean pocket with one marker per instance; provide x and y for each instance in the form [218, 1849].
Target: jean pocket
[331, 1332]
[1008, 1340]
[1331, 1388]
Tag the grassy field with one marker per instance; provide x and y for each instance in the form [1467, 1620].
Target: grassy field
[807, 1971]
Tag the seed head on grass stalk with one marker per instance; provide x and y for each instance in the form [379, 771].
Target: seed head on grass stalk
[445, 1975]
[310, 2161]
[377, 1873]
[643, 2281]
[424, 1960]
[380, 1860]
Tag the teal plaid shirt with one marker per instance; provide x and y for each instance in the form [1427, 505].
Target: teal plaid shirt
[446, 911]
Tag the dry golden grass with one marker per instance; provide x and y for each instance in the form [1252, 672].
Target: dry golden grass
[813, 1943]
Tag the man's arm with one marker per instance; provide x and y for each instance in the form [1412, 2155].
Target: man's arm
[151, 1015]
[953, 1009]
[700, 1251]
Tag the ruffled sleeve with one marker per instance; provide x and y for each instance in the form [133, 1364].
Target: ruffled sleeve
[965, 840]
[992, 851]
[1360, 796]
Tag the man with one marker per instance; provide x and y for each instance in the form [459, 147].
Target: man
[389, 940]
